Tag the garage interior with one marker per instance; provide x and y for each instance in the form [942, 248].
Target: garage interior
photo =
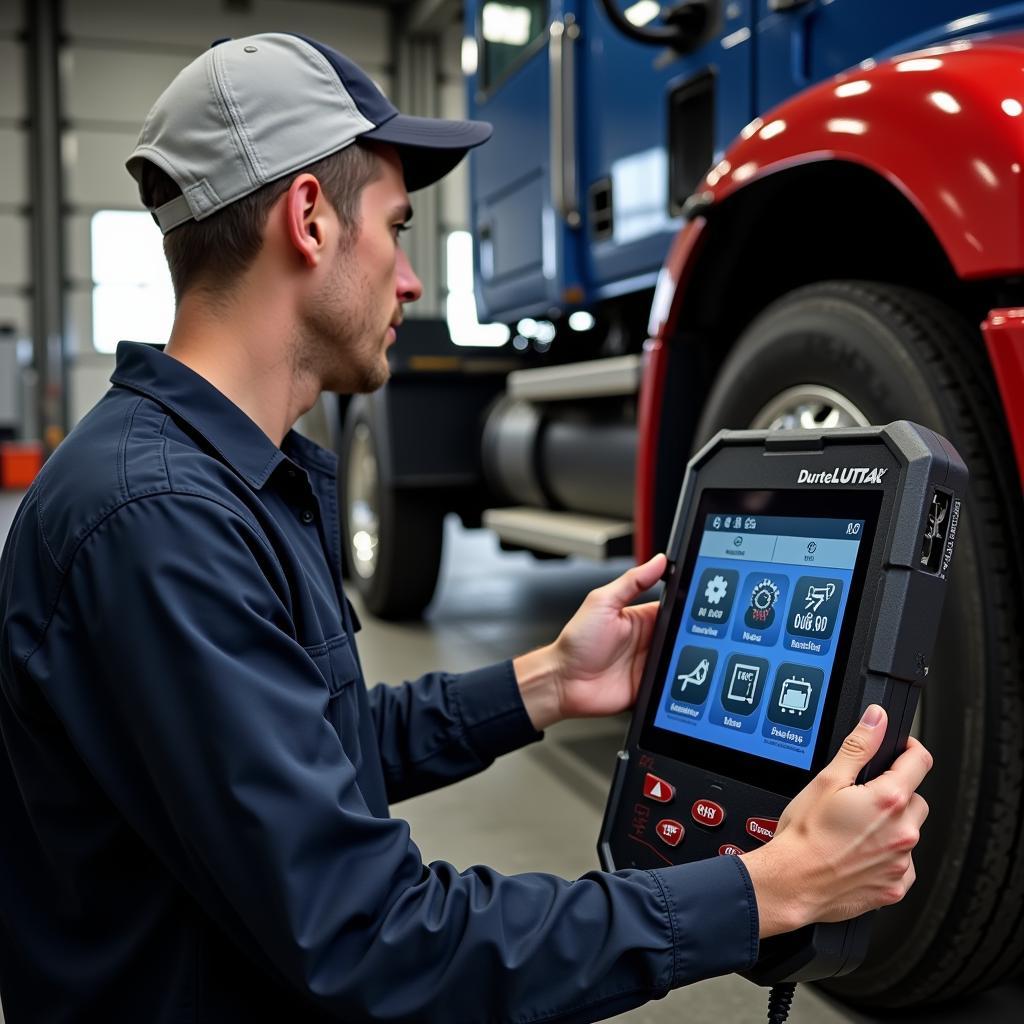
[65, 129]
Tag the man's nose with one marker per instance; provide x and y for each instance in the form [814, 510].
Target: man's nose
[409, 286]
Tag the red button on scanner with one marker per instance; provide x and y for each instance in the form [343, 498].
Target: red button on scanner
[658, 789]
[707, 812]
[728, 850]
[762, 829]
[670, 831]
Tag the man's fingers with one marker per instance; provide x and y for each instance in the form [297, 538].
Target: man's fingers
[858, 748]
[918, 810]
[630, 585]
[907, 771]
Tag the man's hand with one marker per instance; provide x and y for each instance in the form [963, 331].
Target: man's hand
[841, 849]
[595, 665]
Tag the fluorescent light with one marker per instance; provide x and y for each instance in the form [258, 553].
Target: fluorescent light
[773, 128]
[971, 21]
[751, 129]
[846, 126]
[945, 102]
[745, 171]
[857, 88]
[581, 320]
[642, 12]
[469, 56]
[719, 171]
[986, 173]
[506, 23]
[951, 201]
[741, 35]
[920, 64]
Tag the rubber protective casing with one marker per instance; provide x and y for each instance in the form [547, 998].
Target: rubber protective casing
[893, 635]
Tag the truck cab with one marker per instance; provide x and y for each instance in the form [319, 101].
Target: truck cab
[770, 214]
[601, 138]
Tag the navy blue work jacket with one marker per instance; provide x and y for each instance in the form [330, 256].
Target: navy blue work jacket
[195, 780]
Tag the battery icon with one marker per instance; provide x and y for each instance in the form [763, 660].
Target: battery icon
[795, 697]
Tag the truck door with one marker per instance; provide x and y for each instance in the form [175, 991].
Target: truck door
[656, 120]
[525, 197]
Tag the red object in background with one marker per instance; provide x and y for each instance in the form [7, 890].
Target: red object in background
[954, 101]
[1004, 337]
[20, 461]
[671, 284]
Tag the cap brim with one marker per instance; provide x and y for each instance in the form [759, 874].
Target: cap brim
[429, 147]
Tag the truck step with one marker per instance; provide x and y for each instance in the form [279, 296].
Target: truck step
[561, 533]
[596, 378]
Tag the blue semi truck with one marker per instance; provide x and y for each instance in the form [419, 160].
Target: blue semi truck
[742, 213]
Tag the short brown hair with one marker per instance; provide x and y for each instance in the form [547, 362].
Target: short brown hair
[213, 253]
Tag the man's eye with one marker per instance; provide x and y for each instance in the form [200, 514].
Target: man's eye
[400, 229]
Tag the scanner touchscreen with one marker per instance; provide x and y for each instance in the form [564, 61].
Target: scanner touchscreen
[753, 655]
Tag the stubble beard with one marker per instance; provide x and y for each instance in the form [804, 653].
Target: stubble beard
[342, 344]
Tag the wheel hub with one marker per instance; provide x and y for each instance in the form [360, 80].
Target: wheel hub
[815, 407]
[811, 407]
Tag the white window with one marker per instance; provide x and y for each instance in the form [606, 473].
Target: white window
[132, 297]
[509, 31]
[460, 304]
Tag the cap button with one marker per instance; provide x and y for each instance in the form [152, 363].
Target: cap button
[250, 49]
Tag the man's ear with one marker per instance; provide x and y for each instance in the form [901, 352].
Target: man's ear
[306, 218]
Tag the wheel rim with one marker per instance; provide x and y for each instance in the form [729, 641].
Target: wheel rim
[811, 407]
[363, 518]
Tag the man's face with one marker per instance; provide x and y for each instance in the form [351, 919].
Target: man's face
[352, 320]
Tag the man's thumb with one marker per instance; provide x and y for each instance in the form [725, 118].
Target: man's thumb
[630, 585]
[858, 748]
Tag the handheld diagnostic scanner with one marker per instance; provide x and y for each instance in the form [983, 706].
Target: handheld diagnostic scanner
[806, 576]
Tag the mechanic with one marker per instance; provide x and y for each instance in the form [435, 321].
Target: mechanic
[196, 782]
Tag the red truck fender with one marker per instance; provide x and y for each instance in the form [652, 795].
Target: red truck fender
[944, 126]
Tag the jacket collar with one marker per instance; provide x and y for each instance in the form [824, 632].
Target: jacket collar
[239, 442]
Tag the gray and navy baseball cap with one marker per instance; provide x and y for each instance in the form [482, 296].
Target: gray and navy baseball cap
[251, 110]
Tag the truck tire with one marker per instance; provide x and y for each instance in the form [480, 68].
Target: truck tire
[843, 352]
[392, 536]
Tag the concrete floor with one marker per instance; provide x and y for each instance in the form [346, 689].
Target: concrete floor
[540, 808]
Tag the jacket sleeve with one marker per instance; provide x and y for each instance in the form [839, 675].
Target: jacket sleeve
[444, 727]
[207, 730]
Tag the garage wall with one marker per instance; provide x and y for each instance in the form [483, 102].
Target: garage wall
[118, 55]
[455, 187]
[15, 311]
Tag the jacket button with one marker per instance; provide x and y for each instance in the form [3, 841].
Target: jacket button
[307, 516]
